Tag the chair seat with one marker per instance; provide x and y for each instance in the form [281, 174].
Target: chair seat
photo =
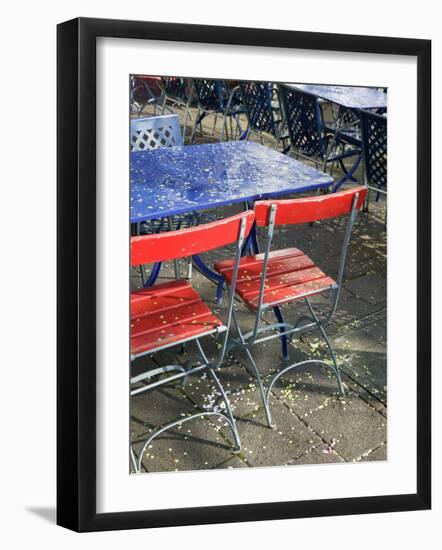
[291, 275]
[168, 314]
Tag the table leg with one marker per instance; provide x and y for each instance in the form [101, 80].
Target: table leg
[210, 274]
[176, 263]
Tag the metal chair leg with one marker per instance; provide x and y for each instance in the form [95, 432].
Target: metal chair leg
[255, 370]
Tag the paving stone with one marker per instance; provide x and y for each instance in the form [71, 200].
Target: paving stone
[157, 407]
[371, 288]
[357, 340]
[198, 445]
[306, 389]
[318, 455]
[377, 454]
[234, 462]
[353, 424]
[156, 458]
[369, 370]
[263, 446]
[350, 308]
[204, 392]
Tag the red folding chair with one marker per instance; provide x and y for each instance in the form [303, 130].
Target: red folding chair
[276, 278]
[172, 313]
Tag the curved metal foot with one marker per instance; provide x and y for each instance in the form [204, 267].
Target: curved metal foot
[300, 364]
[166, 427]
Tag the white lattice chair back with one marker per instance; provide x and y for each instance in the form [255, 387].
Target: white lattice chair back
[155, 132]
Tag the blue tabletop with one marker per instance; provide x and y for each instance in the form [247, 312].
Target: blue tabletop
[176, 180]
[352, 97]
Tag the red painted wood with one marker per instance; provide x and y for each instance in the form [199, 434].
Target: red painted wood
[154, 83]
[186, 242]
[283, 261]
[309, 209]
[290, 275]
[166, 314]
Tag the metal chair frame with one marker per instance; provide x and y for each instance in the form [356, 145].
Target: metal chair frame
[138, 85]
[374, 151]
[311, 139]
[213, 99]
[353, 200]
[154, 132]
[156, 248]
[178, 94]
[264, 113]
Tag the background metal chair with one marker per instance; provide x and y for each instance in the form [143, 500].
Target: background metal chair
[172, 313]
[264, 113]
[310, 138]
[155, 132]
[145, 91]
[374, 149]
[178, 93]
[216, 98]
[281, 277]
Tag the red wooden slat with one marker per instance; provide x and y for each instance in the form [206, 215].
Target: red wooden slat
[253, 270]
[309, 209]
[290, 274]
[171, 335]
[166, 295]
[246, 261]
[155, 320]
[168, 313]
[186, 242]
[291, 293]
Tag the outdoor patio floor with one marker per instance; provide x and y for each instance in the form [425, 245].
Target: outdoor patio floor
[313, 425]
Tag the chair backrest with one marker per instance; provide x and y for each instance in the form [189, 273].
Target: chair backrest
[161, 247]
[374, 148]
[209, 93]
[304, 210]
[309, 209]
[257, 97]
[304, 122]
[175, 87]
[155, 132]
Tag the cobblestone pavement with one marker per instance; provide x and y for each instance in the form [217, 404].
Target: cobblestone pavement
[312, 424]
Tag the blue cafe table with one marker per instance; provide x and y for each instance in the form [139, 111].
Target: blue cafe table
[179, 180]
[350, 97]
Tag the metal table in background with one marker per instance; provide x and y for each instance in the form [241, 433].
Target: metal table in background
[349, 97]
[349, 100]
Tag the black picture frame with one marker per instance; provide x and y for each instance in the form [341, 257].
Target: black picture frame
[76, 296]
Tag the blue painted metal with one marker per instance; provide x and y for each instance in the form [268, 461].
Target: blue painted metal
[282, 330]
[352, 97]
[374, 139]
[213, 275]
[216, 97]
[178, 180]
[175, 87]
[263, 109]
[310, 138]
[153, 274]
[304, 121]
[257, 96]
